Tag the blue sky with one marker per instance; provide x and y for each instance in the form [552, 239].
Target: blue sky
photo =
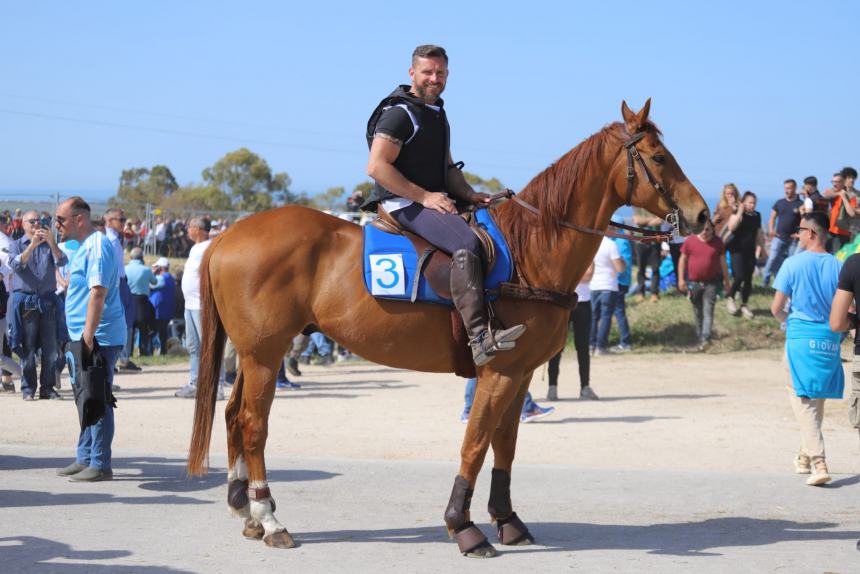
[750, 92]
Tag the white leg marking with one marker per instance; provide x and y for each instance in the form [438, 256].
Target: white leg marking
[261, 511]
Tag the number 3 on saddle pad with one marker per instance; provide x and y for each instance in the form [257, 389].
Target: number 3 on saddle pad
[387, 274]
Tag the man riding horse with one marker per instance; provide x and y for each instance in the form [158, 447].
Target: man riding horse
[410, 160]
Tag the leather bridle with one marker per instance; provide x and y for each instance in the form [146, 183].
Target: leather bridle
[638, 233]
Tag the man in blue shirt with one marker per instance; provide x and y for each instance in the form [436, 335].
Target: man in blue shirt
[114, 220]
[782, 229]
[95, 318]
[810, 280]
[34, 258]
[163, 299]
[140, 280]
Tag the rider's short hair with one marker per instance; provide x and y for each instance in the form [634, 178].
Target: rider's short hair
[429, 51]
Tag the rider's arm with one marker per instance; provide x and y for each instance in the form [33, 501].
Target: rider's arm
[380, 166]
[457, 186]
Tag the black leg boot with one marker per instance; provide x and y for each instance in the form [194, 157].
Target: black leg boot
[467, 290]
[469, 538]
[510, 529]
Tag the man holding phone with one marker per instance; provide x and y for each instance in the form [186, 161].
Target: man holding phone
[34, 258]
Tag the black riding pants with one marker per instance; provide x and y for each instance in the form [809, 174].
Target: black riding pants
[447, 231]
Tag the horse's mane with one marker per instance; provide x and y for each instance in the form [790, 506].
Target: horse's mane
[552, 190]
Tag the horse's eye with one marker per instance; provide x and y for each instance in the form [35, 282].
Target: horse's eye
[659, 158]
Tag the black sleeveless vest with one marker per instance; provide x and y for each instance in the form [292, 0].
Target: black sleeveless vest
[423, 157]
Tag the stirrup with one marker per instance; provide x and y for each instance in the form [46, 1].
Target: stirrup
[485, 345]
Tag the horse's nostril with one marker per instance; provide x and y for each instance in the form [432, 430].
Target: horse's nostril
[703, 217]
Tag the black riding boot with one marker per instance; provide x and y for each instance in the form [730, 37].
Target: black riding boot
[467, 290]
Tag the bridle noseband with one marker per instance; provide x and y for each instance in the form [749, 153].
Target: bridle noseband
[639, 234]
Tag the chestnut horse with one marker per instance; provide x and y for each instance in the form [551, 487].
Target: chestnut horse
[272, 274]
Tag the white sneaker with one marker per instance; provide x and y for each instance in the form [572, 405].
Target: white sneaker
[186, 392]
[587, 392]
[745, 311]
[731, 306]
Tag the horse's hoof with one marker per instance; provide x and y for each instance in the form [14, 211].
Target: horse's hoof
[254, 532]
[512, 532]
[280, 539]
[485, 550]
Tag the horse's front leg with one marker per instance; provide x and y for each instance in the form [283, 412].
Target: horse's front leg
[510, 529]
[257, 396]
[494, 395]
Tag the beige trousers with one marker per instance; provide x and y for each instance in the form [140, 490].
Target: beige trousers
[809, 414]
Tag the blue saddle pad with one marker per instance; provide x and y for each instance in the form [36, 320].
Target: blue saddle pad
[390, 262]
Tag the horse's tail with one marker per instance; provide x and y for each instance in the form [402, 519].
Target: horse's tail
[212, 337]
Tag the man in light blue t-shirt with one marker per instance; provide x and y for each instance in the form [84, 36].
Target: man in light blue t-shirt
[96, 321]
[809, 280]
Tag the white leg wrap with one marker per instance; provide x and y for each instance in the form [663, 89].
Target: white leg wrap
[261, 511]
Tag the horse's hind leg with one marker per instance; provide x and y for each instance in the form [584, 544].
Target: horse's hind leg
[493, 397]
[237, 470]
[253, 417]
[509, 528]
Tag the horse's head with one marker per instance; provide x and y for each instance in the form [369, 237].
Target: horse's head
[656, 182]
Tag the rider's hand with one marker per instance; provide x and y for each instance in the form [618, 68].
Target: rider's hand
[439, 202]
[480, 198]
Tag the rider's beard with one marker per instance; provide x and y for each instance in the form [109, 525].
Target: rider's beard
[429, 92]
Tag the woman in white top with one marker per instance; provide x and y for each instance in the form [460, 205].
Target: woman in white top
[608, 263]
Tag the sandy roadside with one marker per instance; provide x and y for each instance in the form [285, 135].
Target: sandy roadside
[679, 412]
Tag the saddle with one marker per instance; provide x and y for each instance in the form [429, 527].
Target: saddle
[435, 265]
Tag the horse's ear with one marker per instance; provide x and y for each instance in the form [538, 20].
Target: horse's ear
[635, 121]
[630, 119]
[643, 113]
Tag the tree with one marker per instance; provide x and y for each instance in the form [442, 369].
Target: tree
[330, 200]
[486, 185]
[248, 180]
[198, 198]
[143, 185]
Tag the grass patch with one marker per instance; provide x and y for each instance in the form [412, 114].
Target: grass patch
[668, 325]
[160, 360]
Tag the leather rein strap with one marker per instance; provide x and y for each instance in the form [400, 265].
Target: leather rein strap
[639, 234]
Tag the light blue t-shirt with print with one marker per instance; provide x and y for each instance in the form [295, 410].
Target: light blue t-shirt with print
[810, 279]
[94, 264]
[625, 249]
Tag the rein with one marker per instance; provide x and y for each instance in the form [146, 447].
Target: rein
[639, 234]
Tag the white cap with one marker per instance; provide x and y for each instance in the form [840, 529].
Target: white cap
[162, 262]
